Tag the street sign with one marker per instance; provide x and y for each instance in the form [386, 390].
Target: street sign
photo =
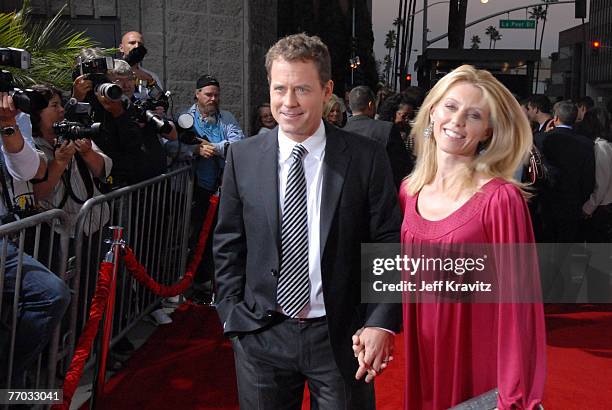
[517, 23]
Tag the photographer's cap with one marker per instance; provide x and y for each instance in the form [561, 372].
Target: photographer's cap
[206, 80]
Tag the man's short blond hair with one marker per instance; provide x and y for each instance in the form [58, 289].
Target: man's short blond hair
[301, 47]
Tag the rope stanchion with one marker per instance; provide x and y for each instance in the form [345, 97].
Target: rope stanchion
[139, 272]
[98, 306]
[100, 303]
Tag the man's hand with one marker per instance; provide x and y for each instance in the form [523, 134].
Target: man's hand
[207, 150]
[141, 75]
[114, 107]
[7, 110]
[373, 349]
[81, 87]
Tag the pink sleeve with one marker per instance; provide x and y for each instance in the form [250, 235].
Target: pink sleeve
[521, 347]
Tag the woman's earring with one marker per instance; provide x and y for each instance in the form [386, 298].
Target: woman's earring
[428, 131]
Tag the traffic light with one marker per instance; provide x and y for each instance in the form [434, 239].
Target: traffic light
[595, 46]
[408, 79]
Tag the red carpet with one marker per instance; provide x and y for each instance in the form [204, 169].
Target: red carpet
[188, 365]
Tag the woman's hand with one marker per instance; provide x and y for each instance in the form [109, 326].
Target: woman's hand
[65, 152]
[83, 146]
[7, 110]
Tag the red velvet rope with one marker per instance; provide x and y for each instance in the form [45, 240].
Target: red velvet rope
[98, 306]
[100, 299]
[139, 273]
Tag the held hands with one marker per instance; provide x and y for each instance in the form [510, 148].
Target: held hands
[373, 349]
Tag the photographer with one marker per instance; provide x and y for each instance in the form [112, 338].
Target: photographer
[133, 50]
[74, 164]
[43, 297]
[151, 160]
[120, 137]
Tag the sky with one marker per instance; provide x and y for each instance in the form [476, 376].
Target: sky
[560, 17]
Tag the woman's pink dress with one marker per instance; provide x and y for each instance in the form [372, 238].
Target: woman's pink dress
[455, 351]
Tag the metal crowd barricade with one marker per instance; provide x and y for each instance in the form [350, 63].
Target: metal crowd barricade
[32, 236]
[155, 215]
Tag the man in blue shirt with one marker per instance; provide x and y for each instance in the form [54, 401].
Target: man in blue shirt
[217, 129]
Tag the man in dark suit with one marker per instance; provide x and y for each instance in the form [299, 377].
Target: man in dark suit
[296, 204]
[363, 105]
[572, 159]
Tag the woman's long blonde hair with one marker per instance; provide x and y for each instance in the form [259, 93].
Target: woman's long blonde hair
[504, 152]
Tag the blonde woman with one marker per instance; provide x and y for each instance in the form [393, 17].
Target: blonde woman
[471, 136]
[334, 110]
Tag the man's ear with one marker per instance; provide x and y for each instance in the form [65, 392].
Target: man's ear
[328, 89]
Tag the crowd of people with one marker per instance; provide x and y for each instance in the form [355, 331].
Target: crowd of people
[319, 177]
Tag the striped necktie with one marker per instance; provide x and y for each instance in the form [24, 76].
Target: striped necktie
[294, 284]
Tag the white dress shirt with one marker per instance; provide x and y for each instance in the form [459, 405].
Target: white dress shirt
[602, 195]
[313, 161]
[21, 166]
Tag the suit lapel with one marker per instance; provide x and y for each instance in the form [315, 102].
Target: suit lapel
[335, 164]
[268, 186]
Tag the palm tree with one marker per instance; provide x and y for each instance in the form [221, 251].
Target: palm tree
[496, 36]
[390, 45]
[543, 17]
[52, 44]
[475, 42]
[537, 13]
[491, 33]
[386, 69]
[398, 22]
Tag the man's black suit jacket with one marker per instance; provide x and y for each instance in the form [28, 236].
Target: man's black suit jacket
[572, 158]
[388, 135]
[358, 205]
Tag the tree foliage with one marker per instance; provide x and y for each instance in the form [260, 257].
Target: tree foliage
[52, 43]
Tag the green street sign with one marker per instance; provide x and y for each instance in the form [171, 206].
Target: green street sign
[517, 23]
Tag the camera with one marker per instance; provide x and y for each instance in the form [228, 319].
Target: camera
[24, 100]
[136, 55]
[15, 57]
[95, 70]
[70, 130]
[78, 111]
[145, 112]
[184, 128]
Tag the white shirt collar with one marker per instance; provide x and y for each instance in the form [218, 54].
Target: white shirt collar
[315, 144]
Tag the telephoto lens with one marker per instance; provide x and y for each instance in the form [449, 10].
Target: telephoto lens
[68, 130]
[109, 90]
[162, 125]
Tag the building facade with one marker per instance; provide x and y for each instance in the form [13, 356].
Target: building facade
[185, 39]
[578, 68]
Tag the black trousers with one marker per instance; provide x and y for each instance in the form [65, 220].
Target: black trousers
[201, 203]
[273, 364]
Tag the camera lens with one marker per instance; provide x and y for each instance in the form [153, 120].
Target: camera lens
[110, 91]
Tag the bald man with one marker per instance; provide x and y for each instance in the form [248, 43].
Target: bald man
[130, 41]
